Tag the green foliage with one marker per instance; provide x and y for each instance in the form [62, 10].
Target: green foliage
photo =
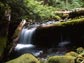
[25, 58]
[66, 4]
[39, 11]
[69, 22]
[61, 59]
[30, 9]
[34, 9]
[57, 17]
[3, 7]
[18, 9]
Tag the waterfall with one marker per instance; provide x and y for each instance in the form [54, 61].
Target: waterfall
[35, 40]
[26, 36]
[25, 42]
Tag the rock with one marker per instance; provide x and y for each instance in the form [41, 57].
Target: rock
[25, 58]
[61, 59]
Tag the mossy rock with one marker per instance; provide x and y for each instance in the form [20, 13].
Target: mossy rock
[61, 59]
[62, 24]
[71, 53]
[25, 58]
[80, 57]
[80, 50]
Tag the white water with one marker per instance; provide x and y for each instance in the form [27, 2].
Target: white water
[25, 43]
[26, 36]
[21, 46]
[28, 48]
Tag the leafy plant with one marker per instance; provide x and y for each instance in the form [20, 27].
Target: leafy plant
[39, 11]
[66, 4]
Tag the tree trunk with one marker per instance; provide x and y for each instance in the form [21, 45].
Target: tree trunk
[10, 28]
[5, 26]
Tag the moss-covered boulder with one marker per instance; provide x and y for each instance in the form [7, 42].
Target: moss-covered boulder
[61, 59]
[80, 50]
[69, 22]
[25, 58]
[71, 53]
[80, 58]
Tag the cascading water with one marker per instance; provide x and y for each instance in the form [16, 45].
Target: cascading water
[26, 36]
[63, 45]
[25, 42]
[43, 37]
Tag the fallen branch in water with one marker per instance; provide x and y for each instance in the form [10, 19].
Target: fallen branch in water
[17, 34]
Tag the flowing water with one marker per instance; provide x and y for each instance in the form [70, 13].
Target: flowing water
[26, 36]
[25, 44]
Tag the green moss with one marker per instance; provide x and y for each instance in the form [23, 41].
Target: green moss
[57, 17]
[2, 44]
[61, 59]
[25, 58]
[80, 50]
[72, 53]
[16, 33]
[69, 22]
[80, 58]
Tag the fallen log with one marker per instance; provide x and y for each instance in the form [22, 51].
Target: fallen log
[76, 13]
[71, 14]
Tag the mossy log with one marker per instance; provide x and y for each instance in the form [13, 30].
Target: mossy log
[71, 14]
[76, 13]
[64, 23]
[50, 35]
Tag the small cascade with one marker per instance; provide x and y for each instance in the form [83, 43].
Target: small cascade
[32, 41]
[63, 47]
[25, 42]
[64, 44]
[26, 36]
